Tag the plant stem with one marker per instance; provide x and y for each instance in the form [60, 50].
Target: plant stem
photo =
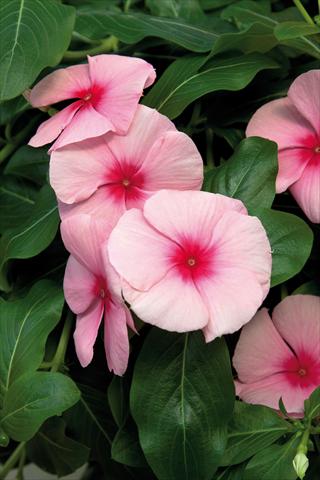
[209, 156]
[11, 146]
[58, 358]
[304, 12]
[127, 5]
[22, 461]
[12, 460]
[109, 44]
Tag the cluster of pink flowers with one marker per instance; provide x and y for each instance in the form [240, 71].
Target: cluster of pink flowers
[136, 224]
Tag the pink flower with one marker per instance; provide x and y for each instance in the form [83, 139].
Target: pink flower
[293, 123]
[108, 90]
[92, 289]
[192, 260]
[105, 176]
[280, 357]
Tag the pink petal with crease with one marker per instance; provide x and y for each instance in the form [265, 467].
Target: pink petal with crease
[306, 191]
[86, 332]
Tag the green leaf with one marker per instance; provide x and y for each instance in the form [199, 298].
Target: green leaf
[32, 399]
[231, 473]
[248, 12]
[255, 38]
[34, 234]
[53, 451]
[134, 27]
[291, 242]
[126, 447]
[182, 397]
[308, 288]
[29, 163]
[312, 404]
[249, 175]
[17, 199]
[253, 428]
[25, 324]
[118, 392]
[9, 109]
[34, 34]
[187, 9]
[291, 30]
[274, 462]
[178, 91]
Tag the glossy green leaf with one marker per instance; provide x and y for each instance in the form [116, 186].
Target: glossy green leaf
[290, 30]
[126, 447]
[118, 399]
[231, 473]
[34, 234]
[291, 242]
[312, 404]
[29, 163]
[255, 38]
[308, 288]
[17, 199]
[10, 108]
[133, 27]
[178, 91]
[274, 462]
[249, 12]
[182, 398]
[54, 451]
[32, 399]
[25, 324]
[187, 9]
[253, 428]
[34, 34]
[240, 177]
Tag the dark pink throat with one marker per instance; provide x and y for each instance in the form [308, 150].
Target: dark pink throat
[303, 370]
[125, 181]
[91, 96]
[100, 289]
[192, 260]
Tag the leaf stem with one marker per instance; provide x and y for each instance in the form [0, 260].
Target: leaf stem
[12, 460]
[11, 146]
[59, 356]
[22, 461]
[127, 5]
[109, 44]
[304, 12]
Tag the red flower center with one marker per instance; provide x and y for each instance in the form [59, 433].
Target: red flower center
[100, 289]
[92, 96]
[125, 181]
[317, 149]
[192, 260]
[303, 370]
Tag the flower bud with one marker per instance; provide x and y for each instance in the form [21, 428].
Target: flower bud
[300, 464]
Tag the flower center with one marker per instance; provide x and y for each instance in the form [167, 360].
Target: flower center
[191, 262]
[102, 293]
[87, 97]
[302, 372]
[317, 149]
[126, 182]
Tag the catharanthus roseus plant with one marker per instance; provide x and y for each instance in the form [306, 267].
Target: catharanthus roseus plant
[159, 239]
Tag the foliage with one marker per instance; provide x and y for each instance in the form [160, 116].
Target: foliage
[173, 416]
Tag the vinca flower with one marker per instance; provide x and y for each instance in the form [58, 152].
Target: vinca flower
[192, 260]
[293, 123]
[106, 93]
[107, 175]
[92, 290]
[279, 357]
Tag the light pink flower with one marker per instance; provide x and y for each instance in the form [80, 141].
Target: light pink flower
[280, 357]
[192, 260]
[92, 289]
[107, 175]
[107, 90]
[293, 123]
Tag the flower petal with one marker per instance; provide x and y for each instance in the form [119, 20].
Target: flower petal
[138, 252]
[116, 338]
[281, 122]
[77, 170]
[171, 304]
[83, 237]
[179, 214]
[260, 351]
[86, 332]
[304, 94]
[87, 123]
[78, 286]
[174, 163]
[292, 162]
[101, 205]
[269, 391]
[297, 318]
[146, 127]
[306, 191]
[63, 84]
[50, 129]
[124, 79]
